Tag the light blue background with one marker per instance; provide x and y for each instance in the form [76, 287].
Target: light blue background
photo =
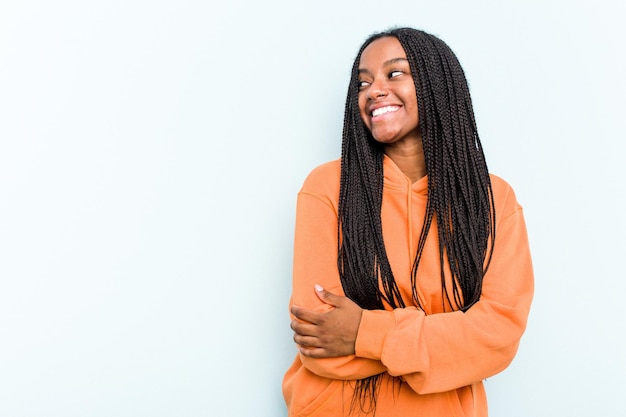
[150, 156]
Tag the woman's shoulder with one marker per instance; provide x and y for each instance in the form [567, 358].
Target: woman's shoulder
[323, 179]
[503, 194]
[499, 183]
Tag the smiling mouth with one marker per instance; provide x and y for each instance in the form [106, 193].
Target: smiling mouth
[384, 110]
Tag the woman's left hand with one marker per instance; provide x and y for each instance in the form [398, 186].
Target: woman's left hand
[330, 333]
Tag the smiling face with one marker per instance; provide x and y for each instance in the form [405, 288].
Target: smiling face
[387, 99]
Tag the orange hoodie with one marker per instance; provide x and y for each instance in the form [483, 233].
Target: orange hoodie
[433, 361]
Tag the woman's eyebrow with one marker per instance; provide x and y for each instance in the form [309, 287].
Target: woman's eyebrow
[386, 63]
[394, 61]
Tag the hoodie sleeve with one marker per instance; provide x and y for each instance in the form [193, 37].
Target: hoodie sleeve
[315, 262]
[441, 352]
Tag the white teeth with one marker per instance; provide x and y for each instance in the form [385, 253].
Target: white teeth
[384, 110]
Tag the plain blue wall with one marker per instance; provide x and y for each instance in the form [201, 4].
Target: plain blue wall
[150, 156]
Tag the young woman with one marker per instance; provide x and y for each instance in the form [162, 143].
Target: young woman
[412, 277]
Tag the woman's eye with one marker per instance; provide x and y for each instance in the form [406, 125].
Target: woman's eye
[363, 84]
[393, 74]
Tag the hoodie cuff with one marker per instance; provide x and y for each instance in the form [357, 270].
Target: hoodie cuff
[373, 330]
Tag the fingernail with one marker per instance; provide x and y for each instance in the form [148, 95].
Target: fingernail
[318, 288]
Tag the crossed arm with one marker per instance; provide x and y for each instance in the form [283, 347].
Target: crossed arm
[327, 334]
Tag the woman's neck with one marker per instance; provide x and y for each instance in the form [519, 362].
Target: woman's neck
[409, 157]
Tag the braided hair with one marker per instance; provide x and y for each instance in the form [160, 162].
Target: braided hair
[460, 196]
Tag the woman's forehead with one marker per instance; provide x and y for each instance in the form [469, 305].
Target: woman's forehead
[382, 51]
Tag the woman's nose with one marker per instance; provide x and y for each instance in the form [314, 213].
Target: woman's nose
[377, 89]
